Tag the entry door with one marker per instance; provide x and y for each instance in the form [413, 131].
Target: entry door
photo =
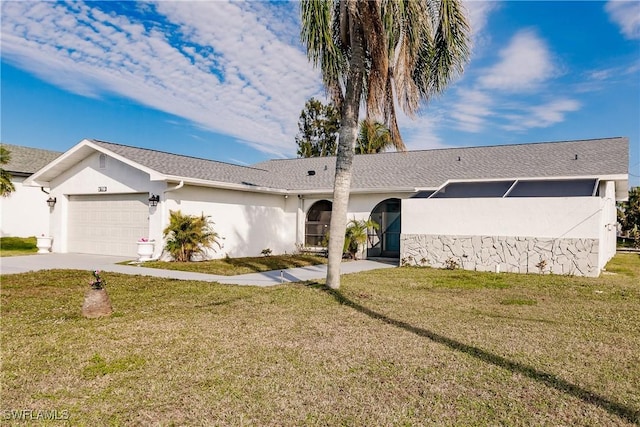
[108, 224]
[385, 242]
[391, 235]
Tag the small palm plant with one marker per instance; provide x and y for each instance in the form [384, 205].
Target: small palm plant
[356, 235]
[189, 235]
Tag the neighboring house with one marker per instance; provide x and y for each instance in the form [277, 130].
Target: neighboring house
[522, 208]
[25, 212]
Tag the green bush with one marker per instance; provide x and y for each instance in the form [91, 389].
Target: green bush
[189, 235]
[356, 234]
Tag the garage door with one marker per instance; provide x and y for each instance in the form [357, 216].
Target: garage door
[108, 224]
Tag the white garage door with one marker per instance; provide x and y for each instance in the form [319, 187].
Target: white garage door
[108, 224]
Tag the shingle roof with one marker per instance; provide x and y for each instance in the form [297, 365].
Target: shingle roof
[26, 160]
[432, 168]
[188, 167]
[404, 171]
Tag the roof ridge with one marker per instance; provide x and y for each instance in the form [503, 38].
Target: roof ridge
[474, 147]
[175, 154]
[4, 144]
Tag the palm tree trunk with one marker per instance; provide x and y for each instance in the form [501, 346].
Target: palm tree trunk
[346, 145]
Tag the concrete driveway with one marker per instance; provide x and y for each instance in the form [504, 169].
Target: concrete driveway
[23, 264]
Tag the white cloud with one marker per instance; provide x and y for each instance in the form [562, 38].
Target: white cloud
[478, 13]
[236, 68]
[626, 14]
[471, 109]
[420, 133]
[228, 73]
[524, 64]
[541, 116]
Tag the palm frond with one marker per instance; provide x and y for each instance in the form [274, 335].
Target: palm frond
[443, 57]
[317, 35]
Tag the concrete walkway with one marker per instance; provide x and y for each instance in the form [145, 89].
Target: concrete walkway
[22, 264]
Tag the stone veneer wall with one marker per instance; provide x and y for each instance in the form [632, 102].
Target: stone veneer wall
[513, 254]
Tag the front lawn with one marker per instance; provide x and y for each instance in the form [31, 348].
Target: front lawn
[235, 266]
[405, 346]
[11, 246]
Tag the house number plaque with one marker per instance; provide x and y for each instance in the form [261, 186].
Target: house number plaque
[102, 189]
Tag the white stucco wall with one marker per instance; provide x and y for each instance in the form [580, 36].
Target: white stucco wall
[563, 223]
[558, 217]
[360, 205]
[250, 222]
[247, 222]
[25, 212]
[608, 222]
[86, 177]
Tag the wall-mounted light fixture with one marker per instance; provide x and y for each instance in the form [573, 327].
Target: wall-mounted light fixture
[153, 200]
[51, 201]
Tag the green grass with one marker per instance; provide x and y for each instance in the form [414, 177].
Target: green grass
[235, 266]
[518, 301]
[406, 346]
[12, 246]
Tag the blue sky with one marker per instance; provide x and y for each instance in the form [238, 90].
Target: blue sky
[227, 80]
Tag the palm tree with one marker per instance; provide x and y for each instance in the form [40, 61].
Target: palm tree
[6, 186]
[357, 234]
[189, 235]
[374, 137]
[379, 51]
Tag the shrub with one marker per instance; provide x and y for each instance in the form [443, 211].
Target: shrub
[542, 265]
[189, 235]
[451, 264]
[356, 234]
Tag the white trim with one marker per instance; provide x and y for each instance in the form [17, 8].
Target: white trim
[74, 155]
[223, 185]
[595, 188]
[356, 191]
[544, 178]
[511, 188]
[440, 188]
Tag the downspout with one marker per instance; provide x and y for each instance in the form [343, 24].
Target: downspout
[299, 226]
[164, 200]
[48, 194]
[177, 187]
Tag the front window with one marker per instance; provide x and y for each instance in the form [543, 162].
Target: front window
[317, 223]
